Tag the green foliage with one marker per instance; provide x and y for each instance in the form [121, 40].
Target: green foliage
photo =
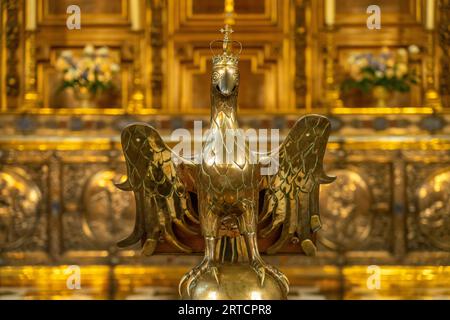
[370, 80]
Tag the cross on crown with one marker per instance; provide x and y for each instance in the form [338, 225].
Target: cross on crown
[227, 56]
[227, 31]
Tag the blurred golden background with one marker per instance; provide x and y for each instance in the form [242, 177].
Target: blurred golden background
[73, 73]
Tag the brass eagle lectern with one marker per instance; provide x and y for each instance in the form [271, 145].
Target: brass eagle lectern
[238, 211]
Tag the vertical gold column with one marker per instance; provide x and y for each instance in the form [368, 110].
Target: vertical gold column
[136, 102]
[135, 15]
[432, 98]
[156, 13]
[332, 99]
[31, 96]
[399, 192]
[229, 12]
[301, 56]
[332, 96]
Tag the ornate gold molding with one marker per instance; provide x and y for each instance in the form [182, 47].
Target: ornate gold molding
[12, 45]
[444, 41]
[347, 143]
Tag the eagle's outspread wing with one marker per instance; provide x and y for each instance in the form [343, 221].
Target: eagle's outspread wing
[292, 193]
[160, 194]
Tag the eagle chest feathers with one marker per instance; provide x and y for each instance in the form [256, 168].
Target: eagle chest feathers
[226, 174]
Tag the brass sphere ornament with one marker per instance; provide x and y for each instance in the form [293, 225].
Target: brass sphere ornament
[236, 282]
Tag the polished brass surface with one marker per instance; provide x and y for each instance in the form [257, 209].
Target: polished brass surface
[227, 191]
[236, 282]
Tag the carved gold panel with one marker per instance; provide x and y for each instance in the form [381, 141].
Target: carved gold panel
[267, 62]
[257, 73]
[376, 212]
[24, 221]
[94, 213]
[356, 210]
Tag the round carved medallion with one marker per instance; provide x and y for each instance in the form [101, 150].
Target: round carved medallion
[345, 211]
[108, 212]
[434, 209]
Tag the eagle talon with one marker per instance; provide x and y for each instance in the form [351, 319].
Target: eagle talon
[261, 268]
[215, 272]
[192, 276]
[309, 248]
[149, 247]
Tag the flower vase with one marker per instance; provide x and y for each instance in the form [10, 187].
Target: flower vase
[381, 94]
[84, 97]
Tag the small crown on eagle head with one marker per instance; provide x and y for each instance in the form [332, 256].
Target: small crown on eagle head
[227, 57]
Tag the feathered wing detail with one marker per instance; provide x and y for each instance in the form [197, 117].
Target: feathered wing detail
[160, 194]
[292, 193]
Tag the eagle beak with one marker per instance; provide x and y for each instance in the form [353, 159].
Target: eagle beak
[227, 84]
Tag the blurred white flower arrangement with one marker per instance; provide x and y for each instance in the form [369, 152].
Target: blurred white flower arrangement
[93, 71]
[388, 70]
